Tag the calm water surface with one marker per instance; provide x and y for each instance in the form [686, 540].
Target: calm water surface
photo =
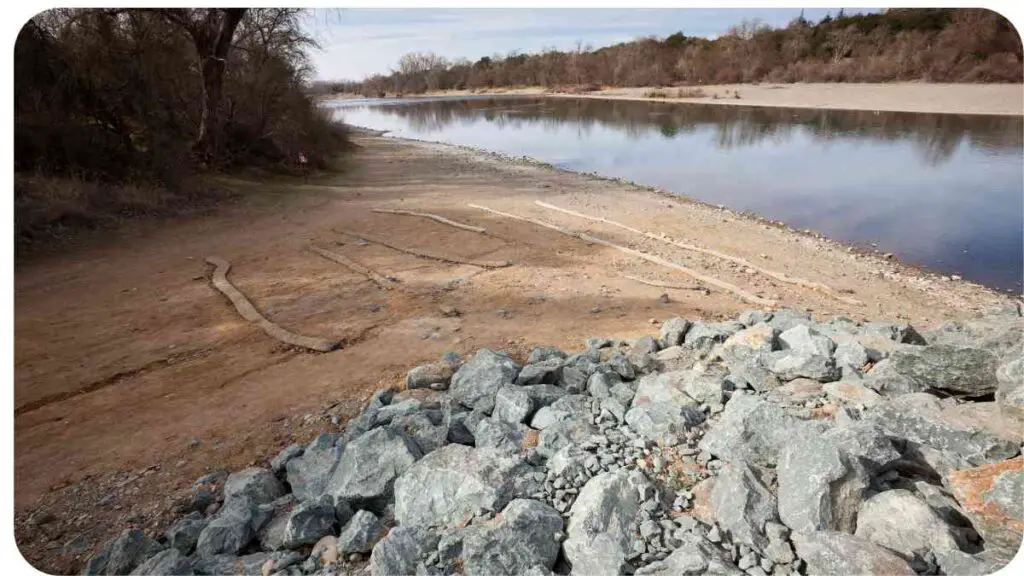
[938, 190]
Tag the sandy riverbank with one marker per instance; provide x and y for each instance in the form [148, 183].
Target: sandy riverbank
[133, 376]
[1000, 99]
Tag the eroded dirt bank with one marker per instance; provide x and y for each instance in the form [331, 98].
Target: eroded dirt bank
[134, 376]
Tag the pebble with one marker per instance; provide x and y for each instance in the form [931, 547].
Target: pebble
[714, 535]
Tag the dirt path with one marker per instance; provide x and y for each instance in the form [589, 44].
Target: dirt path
[133, 375]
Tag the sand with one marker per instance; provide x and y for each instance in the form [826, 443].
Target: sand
[134, 376]
[1000, 99]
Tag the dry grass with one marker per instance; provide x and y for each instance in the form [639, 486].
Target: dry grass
[49, 207]
[691, 93]
[656, 93]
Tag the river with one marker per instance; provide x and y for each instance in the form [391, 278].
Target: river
[941, 191]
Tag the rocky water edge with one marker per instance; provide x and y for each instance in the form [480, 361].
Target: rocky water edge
[773, 444]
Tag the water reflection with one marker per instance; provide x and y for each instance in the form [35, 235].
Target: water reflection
[936, 135]
[944, 191]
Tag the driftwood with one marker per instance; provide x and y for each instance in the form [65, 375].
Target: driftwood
[382, 281]
[736, 259]
[447, 259]
[249, 312]
[433, 217]
[663, 284]
[741, 293]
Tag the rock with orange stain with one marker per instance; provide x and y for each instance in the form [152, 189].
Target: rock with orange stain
[702, 509]
[992, 496]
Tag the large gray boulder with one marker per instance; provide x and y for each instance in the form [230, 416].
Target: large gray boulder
[742, 504]
[308, 522]
[513, 404]
[271, 534]
[801, 339]
[785, 318]
[573, 429]
[166, 563]
[400, 551]
[426, 428]
[885, 380]
[695, 557]
[568, 407]
[545, 372]
[919, 418]
[360, 534]
[1010, 393]
[248, 564]
[183, 534]
[832, 553]
[672, 332]
[956, 370]
[500, 435]
[123, 554]
[524, 535]
[309, 473]
[369, 466]
[755, 429]
[231, 530]
[822, 480]
[454, 484]
[662, 406]
[542, 395]
[542, 353]
[905, 524]
[792, 364]
[258, 485]
[477, 382]
[964, 564]
[434, 375]
[705, 334]
[601, 520]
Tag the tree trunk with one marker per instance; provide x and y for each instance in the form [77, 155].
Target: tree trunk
[213, 54]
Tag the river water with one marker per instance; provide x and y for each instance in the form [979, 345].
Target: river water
[942, 191]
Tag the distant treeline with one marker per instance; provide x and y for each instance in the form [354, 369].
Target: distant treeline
[934, 45]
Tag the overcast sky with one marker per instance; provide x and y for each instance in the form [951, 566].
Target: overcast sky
[357, 43]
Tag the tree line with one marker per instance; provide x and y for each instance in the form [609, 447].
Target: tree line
[148, 97]
[935, 45]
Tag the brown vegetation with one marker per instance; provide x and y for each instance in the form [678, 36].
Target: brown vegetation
[936, 45]
[116, 110]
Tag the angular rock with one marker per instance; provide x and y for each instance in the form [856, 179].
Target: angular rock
[985, 416]
[848, 392]
[822, 480]
[599, 385]
[248, 564]
[369, 466]
[601, 522]
[567, 407]
[759, 338]
[543, 395]
[308, 522]
[883, 379]
[695, 557]
[574, 429]
[905, 524]
[792, 364]
[271, 534]
[842, 553]
[183, 534]
[168, 562]
[992, 496]
[956, 370]
[434, 375]
[918, 418]
[477, 382]
[623, 393]
[425, 428]
[568, 462]
[401, 550]
[545, 372]
[742, 504]
[785, 318]
[542, 353]
[500, 435]
[851, 353]
[704, 334]
[754, 429]
[231, 530]
[513, 404]
[655, 421]
[964, 564]
[1010, 393]
[308, 474]
[123, 554]
[676, 358]
[672, 332]
[278, 463]
[798, 391]
[620, 364]
[801, 339]
[524, 535]
[455, 483]
[360, 534]
[750, 317]
[258, 485]
[573, 380]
